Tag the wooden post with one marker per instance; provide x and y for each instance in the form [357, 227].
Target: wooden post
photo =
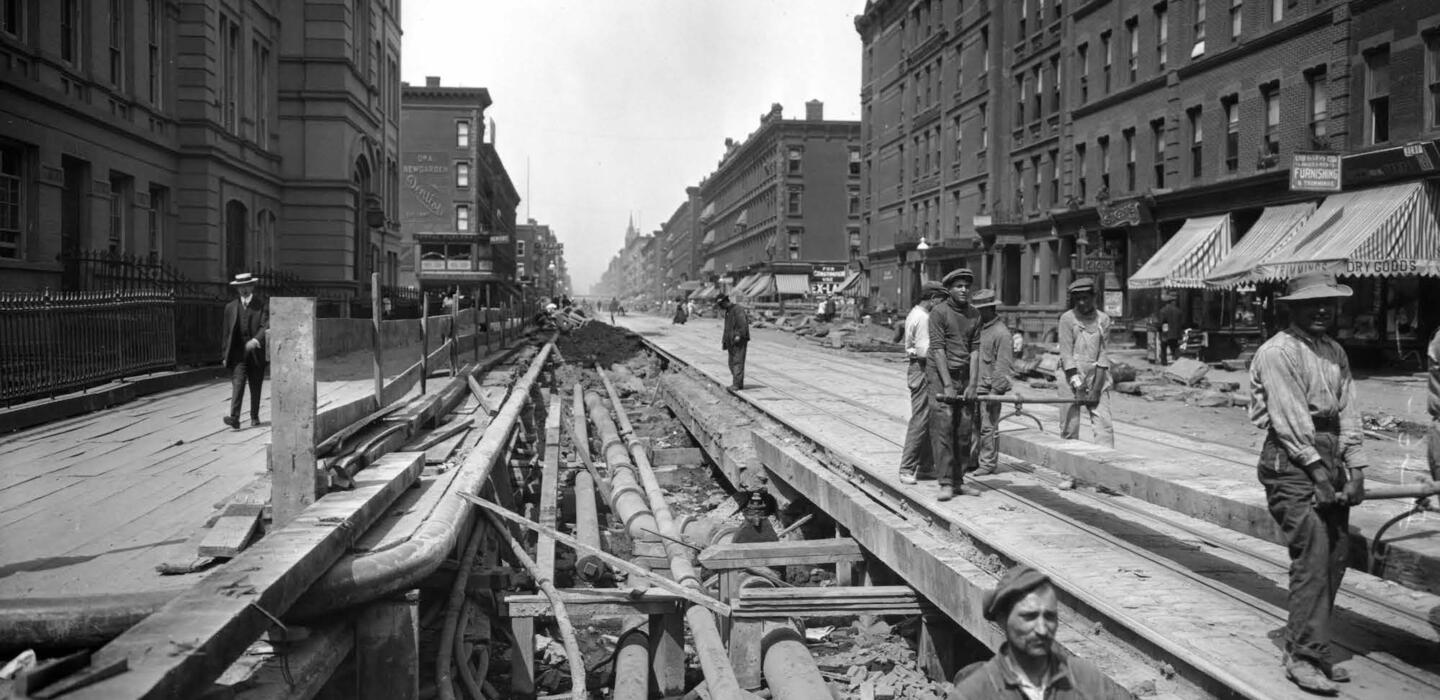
[455, 335]
[475, 323]
[522, 657]
[424, 339]
[292, 407]
[938, 655]
[377, 311]
[667, 653]
[745, 654]
[387, 651]
[488, 324]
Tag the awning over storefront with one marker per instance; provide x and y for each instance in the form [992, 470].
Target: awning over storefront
[708, 292]
[764, 286]
[709, 265]
[742, 288]
[709, 237]
[792, 284]
[1270, 232]
[690, 285]
[1379, 232]
[852, 286]
[1189, 255]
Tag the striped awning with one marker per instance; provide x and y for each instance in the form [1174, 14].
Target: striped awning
[851, 287]
[709, 237]
[690, 285]
[709, 265]
[1379, 232]
[707, 292]
[764, 286]
[742, 288]
[1269, 233]
[1189, 255]
[792, 284]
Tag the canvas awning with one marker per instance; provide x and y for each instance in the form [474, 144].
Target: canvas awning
[742, 288]
[744, 217]
[764, 286]
[1189, 255]
[1270, 232]
[708, 211]
[709, 237]
[707, 292]
[851, 287]
[792, 284]
[709, 265]
[1379, 232]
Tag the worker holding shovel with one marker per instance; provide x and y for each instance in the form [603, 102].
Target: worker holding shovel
[1084, 337]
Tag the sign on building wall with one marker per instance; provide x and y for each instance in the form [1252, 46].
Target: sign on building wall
[1120, 214]
[1114, 303]
[426, 177]
[1312, 171]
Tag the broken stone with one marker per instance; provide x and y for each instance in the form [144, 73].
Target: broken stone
[1122, 372]
[1211, 399]
[1132, 388]
[1187, 371]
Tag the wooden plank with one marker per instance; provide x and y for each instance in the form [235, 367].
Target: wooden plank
[549, 486]
[677, 456]
[667, 653]
[522, 658]
[610, 603]
[387, 651]
[728, 556]
[232, 532]
[377, 347]
[180, 649]
[745, 653]
[299, 669]
[292, 407]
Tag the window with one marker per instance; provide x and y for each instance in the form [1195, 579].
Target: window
[1082, 56]
[1132, 53]
[1432, 80]
[1272, 119]
[1020, 90]
[1039, 75]
[959, 141]
[959, 68]
[1054, 268]
[1232, 133]
[1157, 144]
[519, 249]
[462, 217]
[984, 130]
[1055, 84]
[1035, 182]
[462, 174]
[155, 20]
[1162, 35]
[1237, 18]
[1035, 272]
[794, 205]
[1277, 9]
[794, 237]
[12, 21]
[927, 153]
[1024, 10]
[71, 31]
[261, 53]
[1319, 107]
[1129, 135]
[984, 50]
[854, 198]
[854, 162]
[117, 43]
[119, 228]
[155, 223]
[1199, 29]
[1197, 137]
[983, 207]
[1082, 169]
[230, 74]
[853, 236]
[462, 134]
[13, 195]
[1107, 56]
[1104, 143]
[915, 173]
[1377, 95]
[1017, 201]
[1054, 178]
[795, 155]
[929, 93]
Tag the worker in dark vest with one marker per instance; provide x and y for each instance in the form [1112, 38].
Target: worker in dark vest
[735, 339]
[1303, 397]
[954, 337]
[1171, 322]
[243, 349]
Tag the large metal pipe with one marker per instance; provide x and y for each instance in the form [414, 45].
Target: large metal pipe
[632, 661]
[789, 669]
[627, 499]
[587, 529]
[709, 647]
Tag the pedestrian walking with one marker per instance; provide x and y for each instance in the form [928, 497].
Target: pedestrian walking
[1303, 397]
[1029, 665]
[996, 361]
[242, 350]
[735, 339]
[1171, 322]
[1084, 340]
[917, 459]
[681, 315]
[614, 306]
[1433, 439]
[954, 328]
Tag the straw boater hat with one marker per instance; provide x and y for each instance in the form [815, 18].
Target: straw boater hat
[984, 297]
[957, 273]
[1315, 285]
[243, 279]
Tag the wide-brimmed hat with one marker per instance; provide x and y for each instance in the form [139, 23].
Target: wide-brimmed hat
[243, 279]
[1084, 285]
[956, 274]
[984, 297]
[1013, 586]
[1315, 285]
[931, 288]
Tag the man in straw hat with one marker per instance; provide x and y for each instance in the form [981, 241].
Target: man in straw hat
[243, 348]
[1302, 395]
[1084, 339]
[995, 358]
[1028, 664]
[954, 335]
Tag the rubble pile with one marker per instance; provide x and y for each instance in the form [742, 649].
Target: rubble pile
[872, 659]
[846, 334]
[599, 342]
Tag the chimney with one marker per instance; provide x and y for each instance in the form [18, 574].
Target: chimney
[814, 111]
[432, 81]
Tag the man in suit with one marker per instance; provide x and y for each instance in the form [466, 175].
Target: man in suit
[735, 339]
[243, 351]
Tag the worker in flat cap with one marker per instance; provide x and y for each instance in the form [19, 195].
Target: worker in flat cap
[995, 361]
[1029, 665]
[735, 338]
[954, 328]
[1303, 397]
[917, 459]
[1084, 340]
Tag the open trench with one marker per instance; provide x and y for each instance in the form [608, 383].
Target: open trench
[604, 462]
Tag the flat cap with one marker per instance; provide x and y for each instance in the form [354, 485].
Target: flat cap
[931, 288]
[957, 273]
[1013, 585]
[1084, 284]
[984, 297]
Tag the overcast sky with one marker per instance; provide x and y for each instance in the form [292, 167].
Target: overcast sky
[615, 106]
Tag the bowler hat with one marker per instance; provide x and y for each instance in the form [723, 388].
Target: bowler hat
[1319, 284]
[1084, 285]
[1013, 585]
[931, 288]
[722, 299]
[984, 297]
[956, 274]
[243, 279]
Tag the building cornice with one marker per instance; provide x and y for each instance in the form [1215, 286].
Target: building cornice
[1264, 41]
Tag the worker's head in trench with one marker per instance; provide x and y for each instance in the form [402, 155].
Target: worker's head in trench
[1024, 603]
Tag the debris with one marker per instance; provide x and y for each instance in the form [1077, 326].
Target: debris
[1132, 388]
[24, 662]
[1067, 484]
[1122, 372]
[1211, 399]
[818, 634]
[1187, 371]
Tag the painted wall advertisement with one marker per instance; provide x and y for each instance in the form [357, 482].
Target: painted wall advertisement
[425, 177]
[1315, 172]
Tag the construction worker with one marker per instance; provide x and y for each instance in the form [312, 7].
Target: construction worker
[1302, 395]
[1433, 439]
[996, 357]
[954, 333]
[1029, 665]
[917, 459]
[1171, 322]
[1084, 338]
[735, 338]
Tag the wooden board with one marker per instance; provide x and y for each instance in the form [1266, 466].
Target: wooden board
[729, 556]
[293, 437]
[232, 532]
[549, 486]
[594, 602]
[677, 456]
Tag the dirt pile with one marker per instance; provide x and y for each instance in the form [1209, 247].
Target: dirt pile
[599, 342]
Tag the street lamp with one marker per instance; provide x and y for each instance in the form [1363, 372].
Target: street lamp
[920, 248]
[551, 276]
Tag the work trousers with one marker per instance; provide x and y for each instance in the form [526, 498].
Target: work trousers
[1100, 423]
[249, 369]
[1169, 350]
[987, 446]
[951, 426]
[1319, 542]
[918, 456]
[737, 365]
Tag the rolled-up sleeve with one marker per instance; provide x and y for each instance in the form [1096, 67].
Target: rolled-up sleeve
[1067, 343]
[1275, 374]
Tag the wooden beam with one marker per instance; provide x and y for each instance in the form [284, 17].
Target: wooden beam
[594, 602]
[182, 648]
[549, 486]
[671, 456]
[387, 651]
[299, 670]
[232, 531]
[377, 345]
[838, 601]
[729, 556]
[292, 407]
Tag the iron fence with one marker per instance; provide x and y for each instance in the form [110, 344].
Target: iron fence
[54, 342]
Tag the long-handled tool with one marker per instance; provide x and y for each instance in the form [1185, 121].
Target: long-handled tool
[1019, 403]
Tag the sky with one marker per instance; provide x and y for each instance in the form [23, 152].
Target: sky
[608, 108]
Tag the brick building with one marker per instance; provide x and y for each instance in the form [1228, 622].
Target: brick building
[678, 240]
[540, 260]
[787, 196]
[160, 129]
